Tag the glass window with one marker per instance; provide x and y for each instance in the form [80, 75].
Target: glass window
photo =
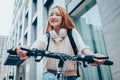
[90, 27]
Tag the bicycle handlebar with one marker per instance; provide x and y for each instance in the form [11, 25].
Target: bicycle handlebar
[45, 53]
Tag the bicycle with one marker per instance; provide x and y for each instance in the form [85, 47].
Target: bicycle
[62, 58]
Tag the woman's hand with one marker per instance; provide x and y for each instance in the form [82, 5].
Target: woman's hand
[98, 62]
[21, 53]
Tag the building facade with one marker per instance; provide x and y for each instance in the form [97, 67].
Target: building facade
[96, 20]
[3, 47]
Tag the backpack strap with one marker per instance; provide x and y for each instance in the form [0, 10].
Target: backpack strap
[69, 32]
[48, 36]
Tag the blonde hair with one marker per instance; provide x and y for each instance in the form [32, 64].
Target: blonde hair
[67, 22]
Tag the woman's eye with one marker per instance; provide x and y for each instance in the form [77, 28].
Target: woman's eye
[54, 14]
[57, 14]
[51, 14]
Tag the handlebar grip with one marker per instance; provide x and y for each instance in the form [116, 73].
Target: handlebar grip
[108, 62]
[10, 51]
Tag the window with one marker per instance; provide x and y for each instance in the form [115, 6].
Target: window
[25, 39]
[90, 27]
[34, 7]
[34, 30]
[21, 78]
[47, 6]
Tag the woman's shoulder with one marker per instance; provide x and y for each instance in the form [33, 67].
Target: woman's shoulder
[74, 31]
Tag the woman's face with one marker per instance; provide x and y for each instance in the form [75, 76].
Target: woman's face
[55, 18]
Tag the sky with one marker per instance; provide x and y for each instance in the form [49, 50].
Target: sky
[6, 13]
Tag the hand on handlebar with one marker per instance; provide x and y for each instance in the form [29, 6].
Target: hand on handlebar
[21, 53]
[98, 62]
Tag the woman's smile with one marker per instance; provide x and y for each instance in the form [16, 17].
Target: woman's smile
[54, 20]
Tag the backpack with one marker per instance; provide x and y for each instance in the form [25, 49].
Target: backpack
[69, 32]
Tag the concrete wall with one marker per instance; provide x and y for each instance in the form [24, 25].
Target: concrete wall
[110, 17]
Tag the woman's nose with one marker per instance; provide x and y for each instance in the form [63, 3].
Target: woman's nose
[53, 17]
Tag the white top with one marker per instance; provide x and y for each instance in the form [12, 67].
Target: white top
[76, 36]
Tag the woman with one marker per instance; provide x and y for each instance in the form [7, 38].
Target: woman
[59, 22]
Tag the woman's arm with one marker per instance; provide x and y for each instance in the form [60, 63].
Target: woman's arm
[85, 49]
[39, 44]
[78, 40]
[97, 62]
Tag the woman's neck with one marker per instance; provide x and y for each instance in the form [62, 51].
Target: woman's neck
[57, 29]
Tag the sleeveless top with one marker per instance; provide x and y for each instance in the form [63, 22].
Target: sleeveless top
[63, 46]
